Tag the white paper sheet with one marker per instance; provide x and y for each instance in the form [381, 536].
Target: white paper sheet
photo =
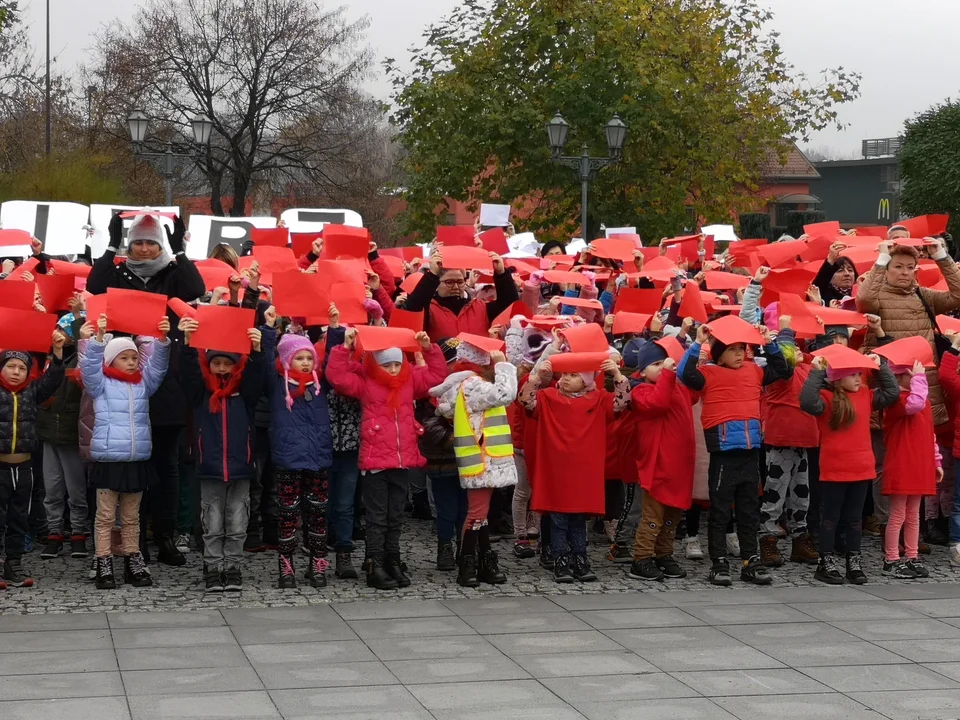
[58, 225]
[494, 215]
[209, 230]
[621, 231]
[721, 233]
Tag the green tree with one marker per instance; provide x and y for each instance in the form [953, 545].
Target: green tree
[930, 164]
[707, 94]
[75, 177]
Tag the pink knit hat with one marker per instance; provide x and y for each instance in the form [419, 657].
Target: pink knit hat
[289, 346]
[834, 375]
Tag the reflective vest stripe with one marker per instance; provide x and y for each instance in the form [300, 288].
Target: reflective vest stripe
[495, 433]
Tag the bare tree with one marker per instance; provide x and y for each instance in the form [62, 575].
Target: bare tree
[279, 78]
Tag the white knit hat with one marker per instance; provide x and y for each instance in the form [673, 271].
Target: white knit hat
[467, 352]
[146, 228]
[115, 347]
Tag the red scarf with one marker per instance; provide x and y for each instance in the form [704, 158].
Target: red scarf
[393, 383]
[301, 379]
[12, 388]
[221, 386]
[132, 378]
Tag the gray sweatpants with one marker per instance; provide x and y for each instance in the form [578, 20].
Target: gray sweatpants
[224, 513]
[65, 479]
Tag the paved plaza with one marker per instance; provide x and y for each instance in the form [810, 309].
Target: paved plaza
[529, 649]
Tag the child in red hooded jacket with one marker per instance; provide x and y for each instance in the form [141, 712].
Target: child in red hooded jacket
[386, 385]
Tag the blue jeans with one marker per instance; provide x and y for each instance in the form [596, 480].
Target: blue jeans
[955, 513]
[342, 490]
[451, 502]
[569, 534]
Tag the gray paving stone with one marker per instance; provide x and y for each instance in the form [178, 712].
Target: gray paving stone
[923, 650]
[823, 654]
[866, 678]
[874, 630]
[295, 675]
[466, 696]
[281, 615]
[672, 709]
[915, 591]
[62, 621]
[316, 652]
[18, 663]
[548, 712]
[907, 705]
[542, 643]
[722, 683]
[642, 618]
[171, 637]
[949, 670]
[410, 627]
[212, 706]
[465, 669]
[325, 631]
[810, 633]
[55, 641]
[815, 591]
[613, 601]
[105, 708]
[175, 658]
[636, 639]
[389, 611]
[952, 622]
[607, 688]
[941, 608]
[187, 619]
[572, 664]
[738, 614]
[720, 596]
[527, 622]
[872, 610]
[63, 685]
[678, 659]
[373, 703]
[431, 648]
[191, 680]
[797, 707]
[498, 606]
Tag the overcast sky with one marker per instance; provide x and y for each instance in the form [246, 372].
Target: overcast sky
[905, 51]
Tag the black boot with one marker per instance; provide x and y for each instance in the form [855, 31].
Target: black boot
[168, 554]
[135, 571]
[397, 569]
[933, 534]
[377, 576]
[105, 578]
[287, 578]
[467, 577]
[446, 559]
[488, 567]
[316, 573]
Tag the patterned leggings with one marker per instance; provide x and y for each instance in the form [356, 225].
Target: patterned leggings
[292, 487]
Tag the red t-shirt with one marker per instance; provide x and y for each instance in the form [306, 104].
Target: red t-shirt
[846, 455]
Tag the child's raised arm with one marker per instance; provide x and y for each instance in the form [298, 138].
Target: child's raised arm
[919, 390]
[91, 367]
[481, 396]
[810, 400]
[542, 374]
[343, 372]
[433, 372]
[688, 371]
[888, 391]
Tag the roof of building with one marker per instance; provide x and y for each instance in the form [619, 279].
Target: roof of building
[794, 167]
[860, 162]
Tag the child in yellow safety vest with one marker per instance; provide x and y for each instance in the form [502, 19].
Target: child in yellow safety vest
[475, 396]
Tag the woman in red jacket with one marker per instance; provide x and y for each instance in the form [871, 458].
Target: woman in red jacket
[911, 468]
[386, 386]
[842, 406]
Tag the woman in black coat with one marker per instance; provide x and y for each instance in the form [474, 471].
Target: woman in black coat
[150, 268]
[836, 277]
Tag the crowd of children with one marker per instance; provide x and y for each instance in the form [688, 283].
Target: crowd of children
[546, 391]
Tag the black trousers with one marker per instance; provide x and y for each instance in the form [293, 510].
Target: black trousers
[264, 511]
[16, 485]
[384, 497]
[163, 497]
[734, 479]
[813, 514]
[841, 512]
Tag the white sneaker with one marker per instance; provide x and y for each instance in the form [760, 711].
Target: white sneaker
[183, 543]
[733, 545]
[92, 572]
[955, 554]
[692, 549]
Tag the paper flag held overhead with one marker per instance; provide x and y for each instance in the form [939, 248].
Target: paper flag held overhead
[456, 235]
[17, 295]
[577, 362]
[731, 329]
[645, 301]
[27, 330]
[564, 277]
[401, 318]
[135, 312]
[179, 307]
[483, 342]
[373, 338]
[840, 357]
[55, 291]
[223, 328]
[628, 322]
[581, 302]
[673, 347]
[495, 240]
[613, 249]
[906, 351]
[692, 303]
[587, 337]
[466, 258]
[273, 237]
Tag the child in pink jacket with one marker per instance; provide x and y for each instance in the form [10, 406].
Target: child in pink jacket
[386, 385]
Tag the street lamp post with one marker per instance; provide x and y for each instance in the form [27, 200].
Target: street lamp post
[202, 129]
[585, 165]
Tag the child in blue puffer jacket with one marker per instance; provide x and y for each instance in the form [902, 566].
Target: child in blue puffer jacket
[223, 388]
[120, 386]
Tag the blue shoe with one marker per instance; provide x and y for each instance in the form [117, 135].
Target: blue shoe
[28, 542]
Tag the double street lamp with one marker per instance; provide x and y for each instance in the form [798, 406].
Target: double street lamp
[202, 130]
[584, 164]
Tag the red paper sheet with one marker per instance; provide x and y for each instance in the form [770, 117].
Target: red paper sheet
[17, 295]
[223, 328]
[644, 301]
[26, 330]
[274, 260]
[410, 282]
[135, 312]
[906, 351]
[270, 237]
[302, 243]
[401, 318]
[628, 322]
[297, 294]
[215, 273]
[456, 235]
[11, 238]
[830, 227]
[466, 258]
[342, 242]
[374, 337]
[580, 302]
[574, 362]
[564, 277]
[613, 249]
[180, 308]
[692, 304]
[588, 337]
[55, 291]
[725, 281]
[348, 297]
[731, 329]
[495, 240]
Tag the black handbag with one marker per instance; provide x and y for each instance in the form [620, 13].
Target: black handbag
[940, 342]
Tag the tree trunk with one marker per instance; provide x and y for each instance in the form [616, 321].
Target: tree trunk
[241, 185]
[216, 195]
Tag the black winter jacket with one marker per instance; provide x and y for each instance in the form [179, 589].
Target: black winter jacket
[18, 411]
[233, 427]
[58, 420]
[436, 443]
[179, 279]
